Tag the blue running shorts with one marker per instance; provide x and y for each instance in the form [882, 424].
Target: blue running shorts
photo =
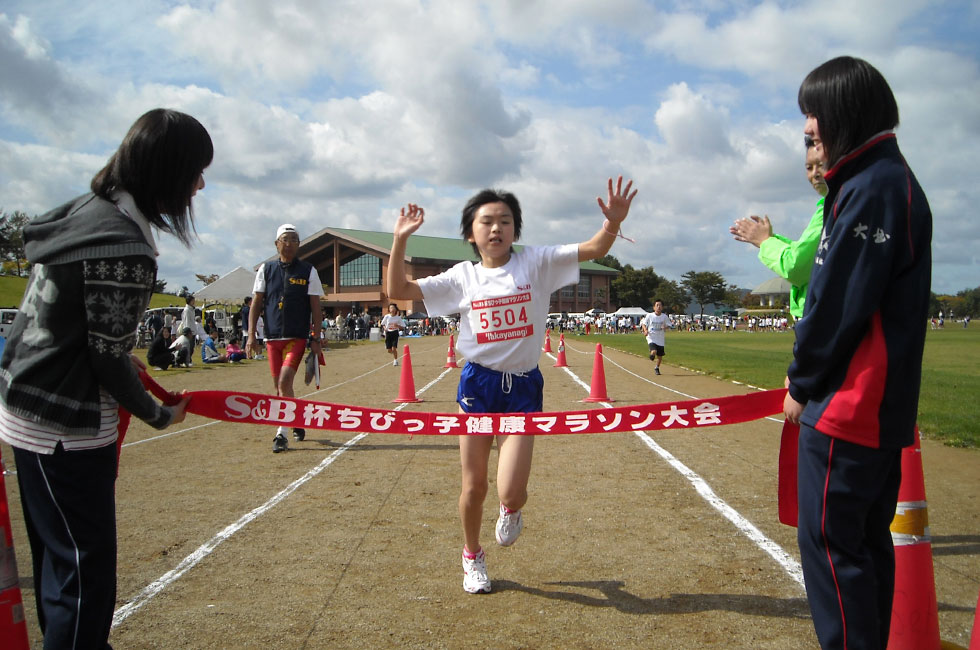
[482, 390]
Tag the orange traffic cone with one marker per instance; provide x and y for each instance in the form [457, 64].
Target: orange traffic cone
[915, 617]
[597, 391]
[451, 357]
[406, 386]
[975, 637]
[547, 342]
[561, 363]
[13, 625]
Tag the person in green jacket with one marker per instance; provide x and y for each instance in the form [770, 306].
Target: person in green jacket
[792, 260]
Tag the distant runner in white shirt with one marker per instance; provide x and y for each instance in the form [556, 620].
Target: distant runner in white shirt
[654, 328]
[392, 324]
[503, 304]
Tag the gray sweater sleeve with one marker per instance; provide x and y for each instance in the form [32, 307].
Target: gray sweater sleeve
[117, 291]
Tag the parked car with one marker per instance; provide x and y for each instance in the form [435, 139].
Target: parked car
[223, 320]
[7, 316]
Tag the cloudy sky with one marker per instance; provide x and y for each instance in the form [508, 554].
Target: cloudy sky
[336, 113]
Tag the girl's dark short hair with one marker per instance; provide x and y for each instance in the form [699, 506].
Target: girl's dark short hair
[159, 162]
[482, 198]
[851, 101]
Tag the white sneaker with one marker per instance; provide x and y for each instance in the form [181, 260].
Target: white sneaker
[509, 526]
[279, 443]
[475, 578]
[395, 362]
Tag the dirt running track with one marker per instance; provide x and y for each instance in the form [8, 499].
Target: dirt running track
[619, 550]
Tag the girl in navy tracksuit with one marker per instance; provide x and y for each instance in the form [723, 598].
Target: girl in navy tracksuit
[854, 381]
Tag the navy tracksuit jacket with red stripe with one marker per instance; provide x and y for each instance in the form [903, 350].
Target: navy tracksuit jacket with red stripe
[857, 368]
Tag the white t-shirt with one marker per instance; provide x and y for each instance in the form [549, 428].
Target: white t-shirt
[656, 326]
[189, 319]
[503, 310]
[392, 323]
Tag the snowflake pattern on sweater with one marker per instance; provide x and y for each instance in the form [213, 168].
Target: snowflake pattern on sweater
[115, 291]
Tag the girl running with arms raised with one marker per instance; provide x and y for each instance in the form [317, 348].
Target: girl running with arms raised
[503, 302]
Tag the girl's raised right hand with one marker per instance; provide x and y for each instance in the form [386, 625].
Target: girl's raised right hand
[410, 221]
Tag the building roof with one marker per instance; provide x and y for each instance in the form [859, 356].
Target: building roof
[421, 248]
[775, 285]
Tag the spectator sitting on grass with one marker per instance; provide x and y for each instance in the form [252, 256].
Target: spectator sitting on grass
[209, 351]
[159, 355]
[183, 347]
[233, 351]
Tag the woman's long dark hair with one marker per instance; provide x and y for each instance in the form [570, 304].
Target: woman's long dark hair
[160, 162]
[851, 101]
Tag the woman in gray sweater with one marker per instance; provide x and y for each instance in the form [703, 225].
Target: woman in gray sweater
[67, 369]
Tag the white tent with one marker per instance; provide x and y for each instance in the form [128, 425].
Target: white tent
[231, 287]
[629, 311]
[635, 314]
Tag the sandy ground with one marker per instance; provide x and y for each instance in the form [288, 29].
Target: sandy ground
[354, 541]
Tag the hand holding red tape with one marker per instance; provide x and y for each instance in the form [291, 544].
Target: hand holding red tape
[254, 408]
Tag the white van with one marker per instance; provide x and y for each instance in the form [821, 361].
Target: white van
[7, 316]
[223, 320]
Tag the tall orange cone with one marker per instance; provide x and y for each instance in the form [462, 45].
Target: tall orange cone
[561, 363]
[975, 637]
[451, 357]
[597, 390]
[13, 625]
[547, 341]
[915, 617]
[406, 386]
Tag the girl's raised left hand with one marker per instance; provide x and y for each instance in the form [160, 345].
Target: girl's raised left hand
[619, 201]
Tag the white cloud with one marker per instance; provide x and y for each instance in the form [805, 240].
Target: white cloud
[336, 114]
[778, 45]
[38, 94]
[691, 126]
[33, 46]
[37, 178]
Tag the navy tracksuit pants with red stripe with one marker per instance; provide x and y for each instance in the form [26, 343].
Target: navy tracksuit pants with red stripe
[70, 515]
[847, 498]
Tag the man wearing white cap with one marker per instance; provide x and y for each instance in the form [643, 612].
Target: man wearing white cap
[287, 293]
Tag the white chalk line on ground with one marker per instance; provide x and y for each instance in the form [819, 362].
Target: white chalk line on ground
[774, 550]
[668, 388]
[213, 422]
[185, 565]
[150, 591]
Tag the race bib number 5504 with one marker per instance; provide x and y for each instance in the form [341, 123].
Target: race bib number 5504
[501, 319]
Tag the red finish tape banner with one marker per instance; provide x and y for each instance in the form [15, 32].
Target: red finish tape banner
[254, 408]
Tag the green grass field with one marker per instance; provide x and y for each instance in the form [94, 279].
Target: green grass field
[12, 290]
[949, 408]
